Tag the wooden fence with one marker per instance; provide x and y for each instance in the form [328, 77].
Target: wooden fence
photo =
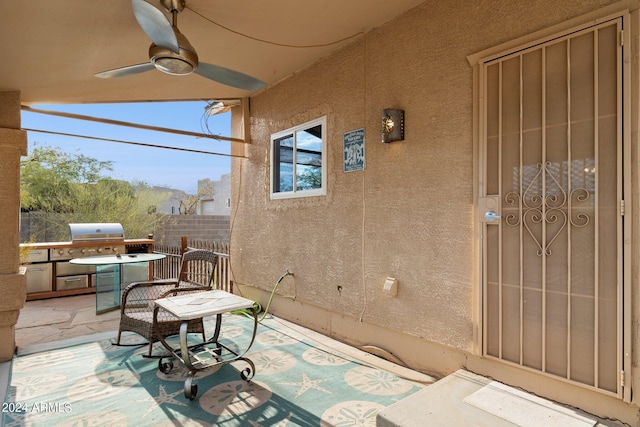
[169, 267]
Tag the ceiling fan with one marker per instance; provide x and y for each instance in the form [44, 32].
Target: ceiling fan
[172, 53]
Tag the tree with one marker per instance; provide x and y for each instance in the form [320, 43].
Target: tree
[47, 176]
[309, 178]
[71, 188]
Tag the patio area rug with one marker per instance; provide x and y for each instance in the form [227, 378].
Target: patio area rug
[297, 383]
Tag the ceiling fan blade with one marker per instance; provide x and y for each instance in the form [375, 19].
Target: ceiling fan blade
[156, 25]
[229, 77]
[126, 71]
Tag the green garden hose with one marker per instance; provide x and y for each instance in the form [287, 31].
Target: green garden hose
[257, 307]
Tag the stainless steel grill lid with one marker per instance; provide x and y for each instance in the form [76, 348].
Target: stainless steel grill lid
[96, 232]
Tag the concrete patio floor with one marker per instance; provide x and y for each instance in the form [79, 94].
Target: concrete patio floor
[56, 319]
[460, 399]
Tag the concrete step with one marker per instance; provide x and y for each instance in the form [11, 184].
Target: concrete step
[466, 399]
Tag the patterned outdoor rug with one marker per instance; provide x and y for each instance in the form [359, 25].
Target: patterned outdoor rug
[297, 383]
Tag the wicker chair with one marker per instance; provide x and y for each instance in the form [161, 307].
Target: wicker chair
[136, 313]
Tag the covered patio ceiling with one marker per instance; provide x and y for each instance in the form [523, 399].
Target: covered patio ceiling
[52, 49]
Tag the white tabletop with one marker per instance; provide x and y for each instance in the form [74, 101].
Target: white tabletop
[114, 259]
[201, 304]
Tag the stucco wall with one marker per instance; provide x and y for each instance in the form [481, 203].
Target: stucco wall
[13, 144]
[409, 215]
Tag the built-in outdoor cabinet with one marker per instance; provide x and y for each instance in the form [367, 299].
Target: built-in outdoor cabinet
[39, 277]
[39, 271]
[50, 274]
[65, 283]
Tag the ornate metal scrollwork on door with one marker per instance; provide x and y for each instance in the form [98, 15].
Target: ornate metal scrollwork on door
[545, 202]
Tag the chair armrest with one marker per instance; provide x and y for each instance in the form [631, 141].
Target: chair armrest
[163, 282]
[173, 281]
[176, 291]
[132, 287]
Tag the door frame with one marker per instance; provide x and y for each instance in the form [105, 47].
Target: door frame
[629, 90]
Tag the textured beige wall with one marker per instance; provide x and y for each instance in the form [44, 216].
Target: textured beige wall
[409, 215]
[13, 144]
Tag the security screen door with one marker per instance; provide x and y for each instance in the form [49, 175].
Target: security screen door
[551, 181]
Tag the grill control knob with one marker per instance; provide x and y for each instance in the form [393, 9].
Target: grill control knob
[99, 250]
[71, 251]
[83, 250]
[61, 251]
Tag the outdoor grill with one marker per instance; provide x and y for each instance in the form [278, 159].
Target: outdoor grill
[100, 232]
[50, 272]
[86, 240]
[91, 239]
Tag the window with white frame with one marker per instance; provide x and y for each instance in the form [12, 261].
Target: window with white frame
[298, 161]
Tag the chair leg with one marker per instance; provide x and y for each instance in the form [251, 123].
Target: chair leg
[150, 347]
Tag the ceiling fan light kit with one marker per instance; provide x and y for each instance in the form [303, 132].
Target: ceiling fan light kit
[172, 53]
[178, 64]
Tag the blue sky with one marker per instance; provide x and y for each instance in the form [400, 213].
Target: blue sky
[154, 166]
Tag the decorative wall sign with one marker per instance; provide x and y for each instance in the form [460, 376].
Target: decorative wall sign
[353, 155]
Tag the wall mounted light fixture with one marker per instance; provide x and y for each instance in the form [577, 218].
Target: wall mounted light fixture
[216, 107]
[392, 125]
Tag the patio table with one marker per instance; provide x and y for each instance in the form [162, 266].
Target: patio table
[195, 306]
[108, 276]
